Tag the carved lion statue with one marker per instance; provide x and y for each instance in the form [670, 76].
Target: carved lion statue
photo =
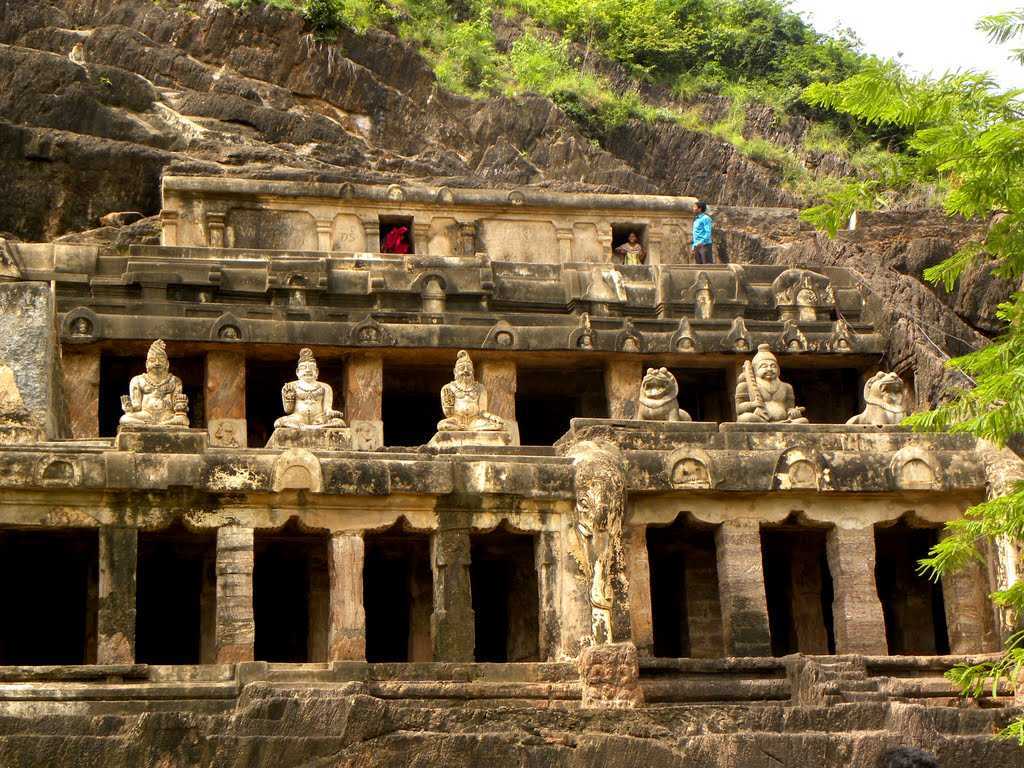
[883, 394]
[658, 393]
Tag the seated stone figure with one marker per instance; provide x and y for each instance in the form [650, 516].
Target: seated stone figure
[658, 397]
[464, 402]
[762, 397]
[883, 401]
[308, 402]
[155, 398]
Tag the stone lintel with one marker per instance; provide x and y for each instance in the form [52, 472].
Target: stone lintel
[741, 583]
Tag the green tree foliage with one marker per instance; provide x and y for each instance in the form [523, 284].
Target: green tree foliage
[962, 130]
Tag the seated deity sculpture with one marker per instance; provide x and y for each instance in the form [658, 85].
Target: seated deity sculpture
[464, 402]
[761, 396]
[155, 398]
[883, 398]
[307, 401]
[659, 391]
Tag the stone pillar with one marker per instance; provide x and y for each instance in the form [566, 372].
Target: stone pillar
[169, 228]
[115, 630]
[638, 573]
[499, 380]
[371, 231]
[856, 610]
[452, 631]
[741, 581]
[347, 634]
[215, 228]
[546, 562]
[324, 234]
[82, 391]
[225, 398]
[467, 238]
[235, 631]
[364, 388]
[420, 237]
[969, 619]
[564, 235]
[654, 236]
[622, 387]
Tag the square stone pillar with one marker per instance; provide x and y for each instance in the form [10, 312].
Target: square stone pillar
[452, 630]
[499, 379]
[622, 387]
[82, 391]
[969, 620]
[741, 582]
[347, 634]
[115, 625]
[856, 610]
[225, 398]
[364, 389]
[638, 573]
[235, 631]
[546, 562]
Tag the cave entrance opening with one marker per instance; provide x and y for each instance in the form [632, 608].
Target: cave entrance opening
[396, 234]
[398, 595]
[915, 616]
[686, 611]
[411, 402]
[828, 395]
[291, 595]
[798, 588]
[176, 596]
[51, 581]
[546, 399]
[503, 578]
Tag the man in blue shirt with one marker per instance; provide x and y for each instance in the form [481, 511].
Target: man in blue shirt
[702, 234]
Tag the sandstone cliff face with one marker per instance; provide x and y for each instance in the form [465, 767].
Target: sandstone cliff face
[100, 98]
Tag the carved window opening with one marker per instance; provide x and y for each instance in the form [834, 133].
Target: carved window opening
[116, 371]
[503, 577]
[392, 238]
[50, 597]
[686, 610]
[915, 616]
[176, 596]
[411, 402]
[704, 393]
[828, 395]
[398, 596]
[263, 381]
[546, 399]
[290, 595]
[620, 236]
[798, 586]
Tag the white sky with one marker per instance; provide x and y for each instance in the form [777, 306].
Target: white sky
[934, 36]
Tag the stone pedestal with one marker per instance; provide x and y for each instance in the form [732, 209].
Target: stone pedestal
[458, 439]
[499, 378]
[741, 582]
[364, 386]
[115, 630]
[235, 630]
[452, 630]
[622, 386]
[82, 392]
[857, 616]
[171, 439]
[610, 675]
[346, 639]
[312, 438]
[225, 398]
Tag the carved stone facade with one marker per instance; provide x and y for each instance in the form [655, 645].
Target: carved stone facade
[622, 496]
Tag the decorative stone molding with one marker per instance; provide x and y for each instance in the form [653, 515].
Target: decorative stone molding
[369, 333]
[916, 468]
[684, 339]
[297, 469]
[791, 339]
[690, 469]
[738, 339]
[801, 469]
[228, 328]
[803, 295]
[81, 326]
[501, 336]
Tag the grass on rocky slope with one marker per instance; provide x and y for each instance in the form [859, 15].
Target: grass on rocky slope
[750, 51]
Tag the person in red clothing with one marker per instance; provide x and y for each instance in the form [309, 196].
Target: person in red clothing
[395, 241]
